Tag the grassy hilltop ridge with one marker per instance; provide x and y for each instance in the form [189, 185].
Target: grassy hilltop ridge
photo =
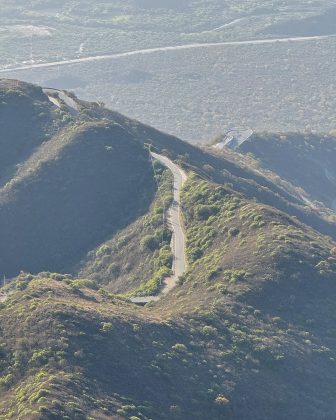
[27, 120]
[71, 192]
[249, 331]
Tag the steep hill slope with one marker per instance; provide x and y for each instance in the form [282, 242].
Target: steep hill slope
[224, 167]
[306, 160]
[248, 332]
[135, 259]
[261, 286]
[27, 119]
[117, 266]
[75, 359]
[71, 192]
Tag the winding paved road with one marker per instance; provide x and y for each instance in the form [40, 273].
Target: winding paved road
[163, 49]
[178, 243]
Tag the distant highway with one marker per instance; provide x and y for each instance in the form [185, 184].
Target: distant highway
[162, 49]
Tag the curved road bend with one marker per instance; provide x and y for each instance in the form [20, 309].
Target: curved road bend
[164, 49]
[178, 243]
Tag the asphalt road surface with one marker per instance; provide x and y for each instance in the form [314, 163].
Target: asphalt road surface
[178, 243]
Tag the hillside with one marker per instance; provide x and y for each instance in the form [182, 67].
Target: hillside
[38, 122]
[254, 316]
[306, 160]
[71, 193]
[130, 260]
[249, 330]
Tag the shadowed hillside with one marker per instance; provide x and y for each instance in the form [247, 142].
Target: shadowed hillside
[71, 193]
[27, 119]
[247, 332]
[306, 160]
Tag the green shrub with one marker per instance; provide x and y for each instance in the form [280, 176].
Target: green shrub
[6, 380]
[203, 212]
[152, 286]
[166, 256]
[106, 326]
[150, 242]
[103, 250]
[84, 283]
[234, 231]
[232, 276]
[209, 331]
[194, 254]
[213, 273]
[40, 356]
[22, 285]
[179, 347]
[181, 280]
